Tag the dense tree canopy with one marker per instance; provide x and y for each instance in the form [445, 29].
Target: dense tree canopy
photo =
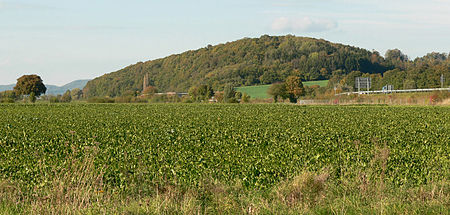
[424, 72]
[28, 84]
[264, 60]
[271, 59]
[201, 93]
[277, 90]
[294, 88]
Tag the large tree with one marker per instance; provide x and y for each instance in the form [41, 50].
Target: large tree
[294, 88]
[277, 90]
[229, 93]
[28, 84]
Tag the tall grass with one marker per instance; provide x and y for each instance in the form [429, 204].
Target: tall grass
[77, 188]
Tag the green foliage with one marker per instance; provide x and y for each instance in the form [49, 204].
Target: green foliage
[201, 93]
[32, 97]
[424, 72]
[278, 90]
[238, 95]
[28, 84]
[100, 100]
[259, 145]
[245, 62]
[271, 59]
[321, 83]
[8, 96]
[396, 58]
[245, 98]
[229, 94]
[292, 88]
[66, 97]
[76, 94]
[54, 99]
[260, 91]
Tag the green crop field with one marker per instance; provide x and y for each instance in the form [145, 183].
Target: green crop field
[256, 92]
[140, 146]
[260, 92]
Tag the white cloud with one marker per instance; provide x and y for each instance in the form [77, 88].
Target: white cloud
[305, 24]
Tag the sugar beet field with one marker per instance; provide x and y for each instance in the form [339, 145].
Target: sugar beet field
[135, 148]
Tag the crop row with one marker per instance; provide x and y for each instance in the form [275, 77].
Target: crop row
[256, 144]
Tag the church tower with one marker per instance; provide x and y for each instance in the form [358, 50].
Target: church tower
[145, 84]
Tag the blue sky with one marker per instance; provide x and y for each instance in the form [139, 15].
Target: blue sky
[64, 40]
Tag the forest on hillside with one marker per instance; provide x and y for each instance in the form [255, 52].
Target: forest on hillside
[271, 59]
[423, 72]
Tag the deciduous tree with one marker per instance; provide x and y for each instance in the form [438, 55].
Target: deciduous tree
[294, 88]
[277, 90]
[28, 84]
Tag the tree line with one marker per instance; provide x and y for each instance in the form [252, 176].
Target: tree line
[422, 72]
[268, 60]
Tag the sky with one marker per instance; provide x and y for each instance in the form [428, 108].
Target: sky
[63, 40]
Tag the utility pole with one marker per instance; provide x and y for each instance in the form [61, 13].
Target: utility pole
[442, 80]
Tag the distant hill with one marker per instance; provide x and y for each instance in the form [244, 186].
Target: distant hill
[52, 89]
[245, 62]
[6, 87]
[271, 59]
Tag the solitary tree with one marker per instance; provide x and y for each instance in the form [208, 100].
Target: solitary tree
[294, 88]
[28, 84]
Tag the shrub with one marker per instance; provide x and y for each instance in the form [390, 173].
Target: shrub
[100, 100]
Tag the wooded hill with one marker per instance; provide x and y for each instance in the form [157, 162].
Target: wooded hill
[246, 62]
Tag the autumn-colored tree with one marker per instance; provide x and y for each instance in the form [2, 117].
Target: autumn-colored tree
[28, 84]
[294, 88]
